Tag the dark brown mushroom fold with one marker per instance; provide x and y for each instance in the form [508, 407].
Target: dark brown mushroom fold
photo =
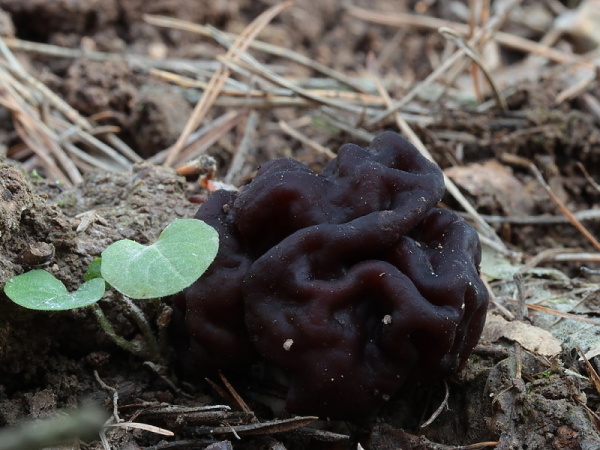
[352, 280]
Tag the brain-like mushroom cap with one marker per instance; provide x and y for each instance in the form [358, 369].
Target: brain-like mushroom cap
[351, 280]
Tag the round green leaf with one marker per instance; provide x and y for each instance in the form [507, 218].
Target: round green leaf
[182, 253]
[38, 289]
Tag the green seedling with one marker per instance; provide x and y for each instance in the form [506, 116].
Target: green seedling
[41, 290]
[182, 253]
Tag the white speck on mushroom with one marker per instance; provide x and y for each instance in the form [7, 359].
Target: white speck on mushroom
[387, 319]
[288, 344]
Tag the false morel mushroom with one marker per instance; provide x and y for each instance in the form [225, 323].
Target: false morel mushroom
[351, 280]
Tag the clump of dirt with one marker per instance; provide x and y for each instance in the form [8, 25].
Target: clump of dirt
[98, 87]
[28, 339]
[158, 120]
[25, 219]
[37, 19]
[540, 399]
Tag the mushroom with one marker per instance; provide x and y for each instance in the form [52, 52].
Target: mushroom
[351, 280]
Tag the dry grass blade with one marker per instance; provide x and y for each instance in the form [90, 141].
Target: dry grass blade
[250, 64]
[218, 79]
[50, 127]
[69, 133]
[507, 39]
[269, 97]
[483, 7]
[555, 312]
[54, 100]
[478, 39]
[38, 137]
[180, 80]
[76, 53]
[472, 53]
[334, 120]
[576, 88]
[260, 46]
[201, 145]
[272, 97]
[39, 145]
[201, 139]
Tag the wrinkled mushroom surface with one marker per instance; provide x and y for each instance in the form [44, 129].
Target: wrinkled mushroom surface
[351, 280]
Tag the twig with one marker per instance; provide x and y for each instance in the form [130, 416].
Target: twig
[588, 177]
[563, 255]
[494, 300]
[237, 397]
[440, 409]
[115, 395]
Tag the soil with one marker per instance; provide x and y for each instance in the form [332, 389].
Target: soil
[509, 396]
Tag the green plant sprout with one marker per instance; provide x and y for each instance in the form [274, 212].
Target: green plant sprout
[38, 289]
[181, 254]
